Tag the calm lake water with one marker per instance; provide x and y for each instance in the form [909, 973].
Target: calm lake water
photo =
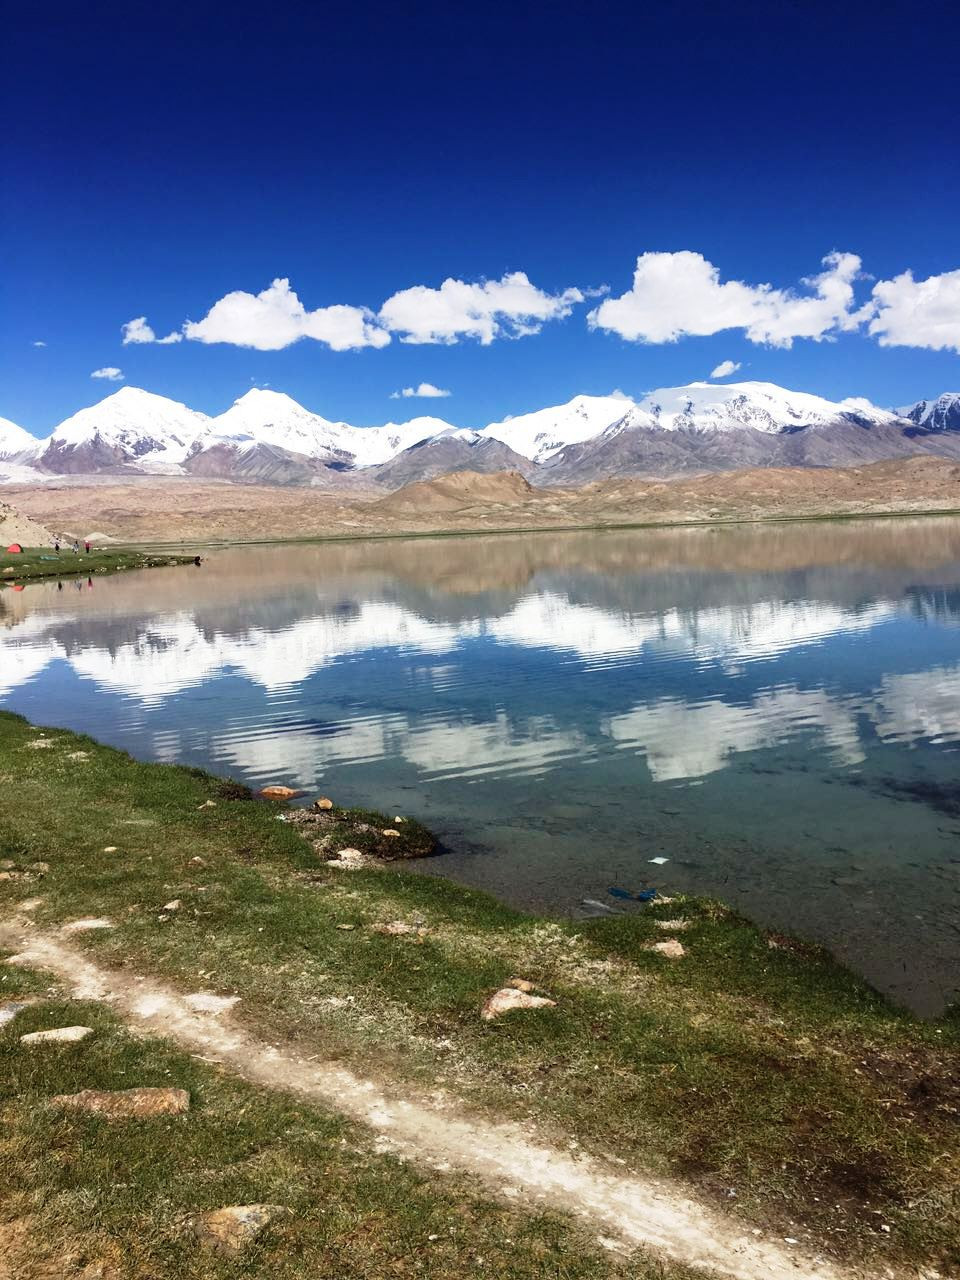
[774, 710]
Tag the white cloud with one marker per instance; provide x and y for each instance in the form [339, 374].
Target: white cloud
[511, 307]
[39, 344]
[108, 374]
[725, 368]
[676, 294]
[425, 391]
[276, 318]
[138, 330]
[917, 313]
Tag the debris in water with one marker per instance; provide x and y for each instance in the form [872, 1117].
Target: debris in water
[658, 861]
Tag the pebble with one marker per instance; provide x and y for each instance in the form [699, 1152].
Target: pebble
[323, 804]
[110, 848]
[389, 831]
[173, 905]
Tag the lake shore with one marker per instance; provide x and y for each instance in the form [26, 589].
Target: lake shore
[37, 564]
[744, 1066]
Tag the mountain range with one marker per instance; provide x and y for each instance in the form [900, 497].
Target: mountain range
[267, 437]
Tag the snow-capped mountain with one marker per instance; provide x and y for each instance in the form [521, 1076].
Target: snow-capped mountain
[761, 406]
[17, 443]
[373, 445]
[272, 418]
[942, 414]
[267, 437]
[541, 434]
[129, 427]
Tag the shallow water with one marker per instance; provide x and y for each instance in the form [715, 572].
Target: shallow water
[775, 710]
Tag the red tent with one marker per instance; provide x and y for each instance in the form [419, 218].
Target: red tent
[14, 549]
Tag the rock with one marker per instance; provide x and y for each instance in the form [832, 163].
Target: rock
[197, 862]
[229, 1230]
[110, 848]
[126, 1104]
[672, 926]
[351, 859]
[508, 999]
[346, 926]
[15, 875]
[673, 949]
[323, 804]
[7, 864]
[41, 868]
[59, 1035]
[398, 928]
[10, 1010]
[399, 819]
[278, 793]
[207, 1002]
[521, 984]
[87, 924]
[173, 905]
[389, 831]
[207, 804]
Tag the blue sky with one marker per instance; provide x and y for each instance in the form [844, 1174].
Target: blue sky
[160, 159]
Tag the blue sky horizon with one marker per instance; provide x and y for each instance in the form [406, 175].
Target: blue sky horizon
[201, 201]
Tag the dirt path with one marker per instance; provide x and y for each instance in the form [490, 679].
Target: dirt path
[627, 1210]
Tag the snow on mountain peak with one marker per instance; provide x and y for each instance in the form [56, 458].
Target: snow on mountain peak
[269, 417]
[762, 406]
[541, 434]
[14, 440]
[132, 415]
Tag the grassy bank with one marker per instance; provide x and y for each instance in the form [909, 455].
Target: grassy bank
[83, 1197]
[35, 563]
[753, 1067]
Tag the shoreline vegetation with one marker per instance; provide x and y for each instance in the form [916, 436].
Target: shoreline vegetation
[684, 1043]
[43, 563]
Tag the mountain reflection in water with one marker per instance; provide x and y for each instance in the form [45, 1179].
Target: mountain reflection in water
[773, 709]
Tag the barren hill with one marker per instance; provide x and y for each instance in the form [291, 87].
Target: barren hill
[15, 527]
[457, 490]
[170, 509]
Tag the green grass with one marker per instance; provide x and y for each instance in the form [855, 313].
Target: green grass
[42, 562]
[80, 1191]
[769, 1072]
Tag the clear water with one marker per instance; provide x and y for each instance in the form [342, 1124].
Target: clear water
[776, 711]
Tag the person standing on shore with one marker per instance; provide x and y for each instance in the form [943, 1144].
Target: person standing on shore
[86, 545]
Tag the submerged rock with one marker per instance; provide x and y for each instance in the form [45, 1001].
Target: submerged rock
[278, 793]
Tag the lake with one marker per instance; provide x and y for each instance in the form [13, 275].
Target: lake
[774, 710]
